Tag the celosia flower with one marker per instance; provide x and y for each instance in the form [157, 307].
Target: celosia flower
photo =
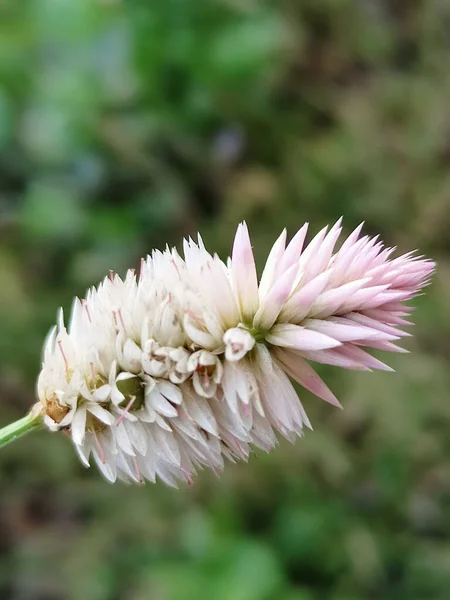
[160, 374]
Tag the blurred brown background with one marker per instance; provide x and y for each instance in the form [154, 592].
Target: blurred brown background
[128, 124]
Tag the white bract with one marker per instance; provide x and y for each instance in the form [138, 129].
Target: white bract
[189, 362]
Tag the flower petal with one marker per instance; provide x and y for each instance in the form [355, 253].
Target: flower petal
[272, 264]
[299, 338]
[78, 426]
[243, 273]
[274, 300]
[297, 368]
[102, 414]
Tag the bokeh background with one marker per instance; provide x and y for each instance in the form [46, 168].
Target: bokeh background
[128, 124]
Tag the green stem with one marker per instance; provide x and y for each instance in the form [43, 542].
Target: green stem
[19, 428]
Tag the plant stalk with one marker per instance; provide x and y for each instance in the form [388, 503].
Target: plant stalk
[20, 428]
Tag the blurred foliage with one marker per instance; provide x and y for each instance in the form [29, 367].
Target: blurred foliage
[128, 124]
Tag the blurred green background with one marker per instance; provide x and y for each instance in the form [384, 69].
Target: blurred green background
[128, 124]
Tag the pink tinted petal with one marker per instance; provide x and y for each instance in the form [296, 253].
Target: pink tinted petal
[348, 356]
[351, 240]
[221, 293]
[243, 273]
[262, 434]
[398, 308]
[312, 247]
[332, 357]
[199, 411]
[343, 261]
[386, 346]
[383, 298]
[318, 261]
[299, 304]
[299, 338]
[346, 331]
[389, 317]
[274, 300]
[360, 297]
[307, 263]
[374, 324]
[380, 274]
[297, 368]
[271, 266]
[366, 258]
[352, 352]
[331, 301]
[293, 250]
[164, 445]
[281, 403]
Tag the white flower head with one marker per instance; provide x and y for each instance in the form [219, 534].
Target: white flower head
[189, 363]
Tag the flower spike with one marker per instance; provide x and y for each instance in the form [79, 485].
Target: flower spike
[188, 362]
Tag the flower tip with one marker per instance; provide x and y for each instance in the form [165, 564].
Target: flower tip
[200, 241]
[242, 228]
[331, 399]
[60, 319]
[240, 238]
